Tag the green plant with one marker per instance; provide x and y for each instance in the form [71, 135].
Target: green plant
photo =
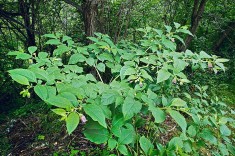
[41, 137]
[133, 88]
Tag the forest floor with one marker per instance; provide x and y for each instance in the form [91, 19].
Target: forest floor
[39, 132]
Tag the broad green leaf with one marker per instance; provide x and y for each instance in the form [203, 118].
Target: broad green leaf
[59, 101]
[117, 123]
[73, 68]
[130, 107]
[112, 143]
[119, 100]
[179, 65]
[72, 122]
[221, 60]
[61, 49]
[163, 75]
[110, 65]
[223, 120]
[223, 149]
[120, 86]
[24, 72]
[130, 71]
[176, 142]
[146, 75]
[188, 146]
[221, 65]
[128, 56]
[42, 55]
[101, 67]
[153, 95]
[102, 44]
[41, 91]
[60, 112]
[75, 58]
[90, 61]
[179, 38]
[180, 119]
[23, 56]
[159, 32]
[66, 38]
[90, 91]
[109, 97]
[168, 44]
[204, 55]
[96, 113]
[123, 150]
[75, 84]
[147, 100]
[32, 49]
[184, 31]
[122, 72]
[158, 114]
[141, 29]
[127, 135]
[51, 91]
[130, 63]
[177, 25]
[106, 110]
[82, 50]
[105, 56]
[164, 101]
[93, 39]
[13, 53]
[208, 136]
[20, 79]
[168, 28]
[50, 36]
[90, 77]
[53, 42]
[71, 97]
[102, 87]
[40, 73]
[224, 130]
[96, 133]
[145, 144]
[178, 102]
[148, 60]
[192, 131]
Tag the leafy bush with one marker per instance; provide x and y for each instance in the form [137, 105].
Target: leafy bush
[124, 93]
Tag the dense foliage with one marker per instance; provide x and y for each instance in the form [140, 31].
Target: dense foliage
[142, 90]
[123, 93]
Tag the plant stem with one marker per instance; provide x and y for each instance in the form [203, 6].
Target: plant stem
[99, 74]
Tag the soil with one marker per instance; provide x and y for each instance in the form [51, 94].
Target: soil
[24, 138]
[42, 135]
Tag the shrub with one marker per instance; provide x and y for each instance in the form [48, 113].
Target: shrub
[125, 92]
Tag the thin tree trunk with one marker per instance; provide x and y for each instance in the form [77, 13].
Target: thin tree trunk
[24, 9]
[198, 9]
[223, 36]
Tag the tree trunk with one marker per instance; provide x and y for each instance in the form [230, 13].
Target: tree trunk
[223, 36]
[89, 11]
[198, 9]
[30, 26]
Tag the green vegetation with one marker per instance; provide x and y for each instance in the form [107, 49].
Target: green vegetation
[118, 77]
